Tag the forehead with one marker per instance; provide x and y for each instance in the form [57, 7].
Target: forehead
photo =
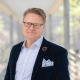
[33, 17]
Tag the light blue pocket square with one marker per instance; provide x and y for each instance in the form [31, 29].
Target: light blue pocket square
[47, 63]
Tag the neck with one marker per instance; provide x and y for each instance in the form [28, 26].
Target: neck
[29, 43]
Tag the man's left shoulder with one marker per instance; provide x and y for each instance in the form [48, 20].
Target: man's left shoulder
[56, 47]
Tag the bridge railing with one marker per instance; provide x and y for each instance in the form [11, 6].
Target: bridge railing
[74, 65]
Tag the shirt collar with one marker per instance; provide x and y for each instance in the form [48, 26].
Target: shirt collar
[38, 42]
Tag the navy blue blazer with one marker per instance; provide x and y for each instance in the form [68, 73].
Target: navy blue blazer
[48, 50]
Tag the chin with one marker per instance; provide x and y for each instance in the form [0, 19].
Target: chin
[31, 37]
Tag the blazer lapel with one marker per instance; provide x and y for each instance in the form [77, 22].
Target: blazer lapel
[39, 59]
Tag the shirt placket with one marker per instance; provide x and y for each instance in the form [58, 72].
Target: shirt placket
[25, 62]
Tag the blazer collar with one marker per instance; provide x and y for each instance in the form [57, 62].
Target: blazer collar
[42, 52]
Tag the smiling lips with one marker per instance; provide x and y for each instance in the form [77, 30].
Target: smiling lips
[31, 32]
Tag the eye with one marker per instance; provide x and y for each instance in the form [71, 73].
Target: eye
[28, 23]
[36, 25]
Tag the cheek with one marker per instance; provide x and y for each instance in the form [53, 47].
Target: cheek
[23, 30]
[40, 32]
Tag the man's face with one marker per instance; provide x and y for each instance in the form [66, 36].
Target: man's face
[32, 26]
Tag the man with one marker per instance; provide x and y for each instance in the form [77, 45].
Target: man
[36, 58]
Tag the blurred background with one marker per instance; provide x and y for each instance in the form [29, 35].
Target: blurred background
[62, 28]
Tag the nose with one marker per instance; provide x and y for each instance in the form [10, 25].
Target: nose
[32, 27]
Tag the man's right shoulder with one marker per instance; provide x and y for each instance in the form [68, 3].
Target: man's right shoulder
[16, 47]
[18, 44]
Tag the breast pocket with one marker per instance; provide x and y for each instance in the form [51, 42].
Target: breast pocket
[46, 69]
[45, 73]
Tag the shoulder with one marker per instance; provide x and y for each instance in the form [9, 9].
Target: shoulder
[57, 48]
[15, 48]
[54, 47]
[17, 45]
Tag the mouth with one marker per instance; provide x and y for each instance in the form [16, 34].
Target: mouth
[31, 32]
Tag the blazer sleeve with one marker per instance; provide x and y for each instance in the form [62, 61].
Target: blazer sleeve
[62, 66]
[7, 75]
